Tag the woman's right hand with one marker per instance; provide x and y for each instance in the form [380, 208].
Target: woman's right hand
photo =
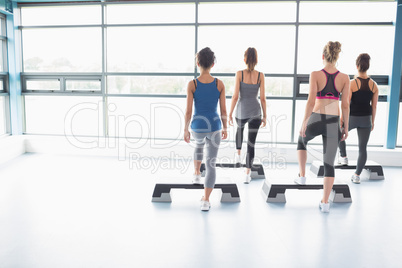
[303, 129]
[187, 136]
[344, 134]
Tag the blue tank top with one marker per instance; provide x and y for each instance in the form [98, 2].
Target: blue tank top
[329, 91]
[206, 118]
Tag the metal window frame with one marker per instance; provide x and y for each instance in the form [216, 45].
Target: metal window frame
[298, 79]
[62, 78]
[4, 76]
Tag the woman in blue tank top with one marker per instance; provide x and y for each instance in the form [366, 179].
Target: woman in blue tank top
[207, 126]
[249, 83]
[363, 96]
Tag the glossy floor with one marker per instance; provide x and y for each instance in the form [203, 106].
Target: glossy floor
[74, 211]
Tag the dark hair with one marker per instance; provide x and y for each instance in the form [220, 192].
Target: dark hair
[363, 62]
[251, 58]
[331, 51]
[205, 58]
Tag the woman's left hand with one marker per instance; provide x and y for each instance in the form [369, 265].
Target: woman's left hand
[263, 122]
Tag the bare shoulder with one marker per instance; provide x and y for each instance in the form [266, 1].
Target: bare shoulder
[316, 74]
[191, 85]
[353, 85]
[344, 77]
[373, 84]
[220, 85]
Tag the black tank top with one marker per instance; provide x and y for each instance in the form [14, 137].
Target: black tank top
[360, 103]
[329, 91]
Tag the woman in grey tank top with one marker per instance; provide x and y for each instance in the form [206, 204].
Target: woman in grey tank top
[248, 111]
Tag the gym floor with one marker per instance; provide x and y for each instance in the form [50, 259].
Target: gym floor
[76, 211]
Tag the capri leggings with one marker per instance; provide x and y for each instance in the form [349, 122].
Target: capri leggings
[328, 127]
[253, 127]
[212, 141]
[363, 127]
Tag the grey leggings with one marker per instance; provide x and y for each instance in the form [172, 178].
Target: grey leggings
[328, 127]
[363, 127]
[212, 140]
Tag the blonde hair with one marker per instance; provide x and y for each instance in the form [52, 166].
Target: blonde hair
[331, 51]
[251, 58]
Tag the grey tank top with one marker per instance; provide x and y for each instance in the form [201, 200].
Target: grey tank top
[248, 105]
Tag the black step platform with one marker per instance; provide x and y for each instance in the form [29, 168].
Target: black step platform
[274, 190]
[161, 193]
[257, 170]
[372, 169]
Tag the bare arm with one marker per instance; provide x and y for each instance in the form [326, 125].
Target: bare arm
[310, 103]
[235, 98]
[222, 104]
[263, 101]
[374, 102]
[352, 88]
[189, 110]
[346, 92]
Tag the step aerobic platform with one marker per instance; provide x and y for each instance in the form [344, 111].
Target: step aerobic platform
[372, 169]
[257, 170]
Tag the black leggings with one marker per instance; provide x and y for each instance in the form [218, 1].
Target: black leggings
[328, 127]
[253, 127]
[363, 127]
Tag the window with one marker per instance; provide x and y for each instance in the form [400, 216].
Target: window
[147, 84]
[247, 11]
[150, 49]
[347, 11]
[132, 61]
[62, 49]
[375, 40]
[275, 46]
[64, 115]
[3, 115]
[150, 13]
[61, 15]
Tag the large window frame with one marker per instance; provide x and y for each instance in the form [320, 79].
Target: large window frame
[298, 79]
[4, 77]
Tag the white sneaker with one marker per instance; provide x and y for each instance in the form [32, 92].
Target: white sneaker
[205, 205]
[343, 161]
[196, 179]
[237, 158]
[247, 178]
[355, 179]
[300, 180]
[324, 207]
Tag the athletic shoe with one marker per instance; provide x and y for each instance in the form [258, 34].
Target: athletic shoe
[324, 207]
[237, 159]
[300, 180]
[196, 179]
[343, 161]
[355, 179]
[205, 205]
[247, 178]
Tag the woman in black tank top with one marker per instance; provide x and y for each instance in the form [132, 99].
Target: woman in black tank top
[363, 106]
